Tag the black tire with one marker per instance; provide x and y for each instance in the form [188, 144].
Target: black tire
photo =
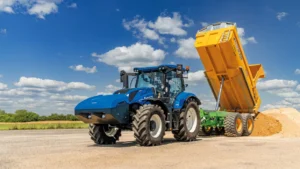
[248, 124]
[98, 135]
[233, 125]
[142, 125]
[220, 130]
[183, 134]
[207, 130]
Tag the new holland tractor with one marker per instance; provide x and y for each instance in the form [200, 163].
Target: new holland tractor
[157, 103]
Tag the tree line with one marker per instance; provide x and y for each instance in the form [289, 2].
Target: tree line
[27, 116]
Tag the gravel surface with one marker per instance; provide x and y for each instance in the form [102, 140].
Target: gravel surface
[73, 149]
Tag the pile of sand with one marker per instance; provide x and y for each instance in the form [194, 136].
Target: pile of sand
[284, 122]
[265, 125]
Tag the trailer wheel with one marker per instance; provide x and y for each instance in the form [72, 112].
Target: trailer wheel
[189, 123]
[207, 130]
[248, 124]
[233, 124]
[104, 134]
[149, 125]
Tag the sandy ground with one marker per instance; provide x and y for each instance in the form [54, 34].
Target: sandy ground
[73, 149]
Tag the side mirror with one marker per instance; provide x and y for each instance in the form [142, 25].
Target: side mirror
[124, 79]
[122, 75]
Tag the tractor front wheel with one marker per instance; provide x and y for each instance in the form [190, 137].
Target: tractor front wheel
[149, 125]
[104, 134]
[189, 123]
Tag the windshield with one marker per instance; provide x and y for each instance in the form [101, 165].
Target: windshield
[174, 84]
[151, 79]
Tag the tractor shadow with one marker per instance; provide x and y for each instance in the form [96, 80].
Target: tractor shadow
[122, 144]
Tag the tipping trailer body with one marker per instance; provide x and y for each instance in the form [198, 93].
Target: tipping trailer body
[222, 55]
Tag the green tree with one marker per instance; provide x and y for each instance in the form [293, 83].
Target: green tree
[43, 118]
[25, 116]
[71, 117]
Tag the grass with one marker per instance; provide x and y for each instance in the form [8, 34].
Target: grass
[42, 125]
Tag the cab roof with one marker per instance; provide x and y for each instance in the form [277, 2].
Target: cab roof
[156, 68]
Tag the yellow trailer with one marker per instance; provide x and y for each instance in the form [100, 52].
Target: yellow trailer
[227, 69]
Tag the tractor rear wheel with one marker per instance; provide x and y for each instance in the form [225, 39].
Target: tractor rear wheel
[104, 134]
[189, 123]
[233, 124]
[248, 124]
[149, 125]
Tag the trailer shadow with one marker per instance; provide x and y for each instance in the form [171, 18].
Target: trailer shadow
[122, 144]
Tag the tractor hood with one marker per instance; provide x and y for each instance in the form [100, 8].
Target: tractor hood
[110, 101]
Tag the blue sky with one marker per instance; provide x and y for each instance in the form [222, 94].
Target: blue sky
[54, 53]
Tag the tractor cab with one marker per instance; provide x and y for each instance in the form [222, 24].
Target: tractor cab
[166, 81]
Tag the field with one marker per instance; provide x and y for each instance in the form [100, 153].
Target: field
[40, 125]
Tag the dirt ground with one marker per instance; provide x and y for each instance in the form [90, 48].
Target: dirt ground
[74, 149]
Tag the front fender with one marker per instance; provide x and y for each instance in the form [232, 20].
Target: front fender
[182, 97]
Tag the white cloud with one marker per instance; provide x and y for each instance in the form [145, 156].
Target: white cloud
[26, 100]
[170, 25]
[6, 6]
[284, 92]
[84, 69]
[68, 97]
[109, 89]
[40, 8]
[173, 40]
[15, 92]
[204, 24]
[297, 71]
[43, 96]
[1, 75]
[141, 26]
[72, 5]
[186, 49]
[280, 104]
[164, 25]
[52, 84]
[136, 55]
[292, 100]
[3, 31]
[245, 40]
[194, 77]
[281, 15]
[43, 8]
[251, 39]
[276, 84]
[298, 88]
[3, 86]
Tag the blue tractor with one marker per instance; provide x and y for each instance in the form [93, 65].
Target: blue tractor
[157, 103]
